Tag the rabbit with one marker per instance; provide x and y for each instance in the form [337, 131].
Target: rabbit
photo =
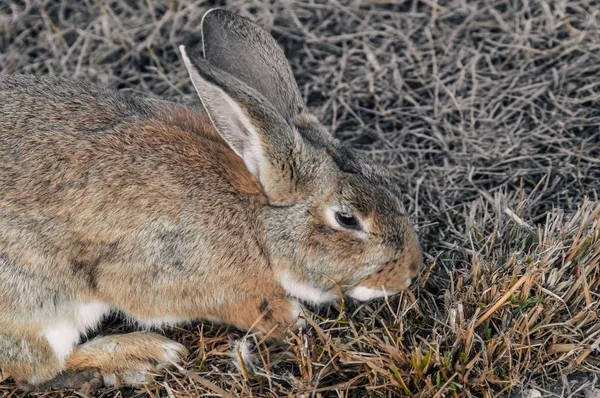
[238, 213]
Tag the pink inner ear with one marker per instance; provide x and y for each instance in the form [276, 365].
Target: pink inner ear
[243, 129]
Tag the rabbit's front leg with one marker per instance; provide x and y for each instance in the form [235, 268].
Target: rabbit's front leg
[27, 355]
[123, 359]
[272, 315]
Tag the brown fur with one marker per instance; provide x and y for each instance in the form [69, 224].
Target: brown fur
[109, 201]
[21, 364]
[108, 217]
[118, 353]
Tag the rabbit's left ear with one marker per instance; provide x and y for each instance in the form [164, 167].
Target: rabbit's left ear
[246, 51]
[253, 128]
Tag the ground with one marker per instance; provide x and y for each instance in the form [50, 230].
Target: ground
[487, 112]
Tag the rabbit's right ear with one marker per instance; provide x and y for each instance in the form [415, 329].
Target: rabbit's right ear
[252, 127]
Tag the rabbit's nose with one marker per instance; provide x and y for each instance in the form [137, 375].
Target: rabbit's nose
[394, 275]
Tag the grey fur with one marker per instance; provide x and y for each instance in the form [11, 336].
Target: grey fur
[140, 205]
[243, 49]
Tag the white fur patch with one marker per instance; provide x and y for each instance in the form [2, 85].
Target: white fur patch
[110, 380]
[243, 348]
[62, 337]
[330, 216]
[173, 352]
[89, 315]
[305, 292]
[296, 309]
[363, 293]
[157, 323]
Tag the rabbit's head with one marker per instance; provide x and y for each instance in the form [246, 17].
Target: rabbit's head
[334, 219]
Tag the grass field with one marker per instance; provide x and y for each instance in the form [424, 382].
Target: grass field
[488, 113]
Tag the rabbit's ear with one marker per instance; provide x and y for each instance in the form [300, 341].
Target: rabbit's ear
[246, 51]
[251, 126]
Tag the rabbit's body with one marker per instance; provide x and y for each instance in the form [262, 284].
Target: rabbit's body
[168, 214]
[119, 201]
[109, 201]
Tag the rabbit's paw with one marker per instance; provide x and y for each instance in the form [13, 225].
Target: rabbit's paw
[86, 382]
[128, 378]
[127, 359]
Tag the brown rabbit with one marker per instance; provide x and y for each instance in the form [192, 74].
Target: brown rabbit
[169, 214]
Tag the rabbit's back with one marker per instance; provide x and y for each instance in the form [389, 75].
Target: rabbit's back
[57, 135]
[61, 140]
[46, 104]
[90, 177]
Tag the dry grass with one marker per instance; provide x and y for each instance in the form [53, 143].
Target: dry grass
[488, 111]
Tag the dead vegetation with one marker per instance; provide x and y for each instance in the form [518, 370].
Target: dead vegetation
[488, 111]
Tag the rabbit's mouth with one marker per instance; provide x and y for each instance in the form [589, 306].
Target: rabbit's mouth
[364, 293]
[313, 295]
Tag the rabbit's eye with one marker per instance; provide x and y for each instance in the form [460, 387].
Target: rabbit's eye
[347, 220]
